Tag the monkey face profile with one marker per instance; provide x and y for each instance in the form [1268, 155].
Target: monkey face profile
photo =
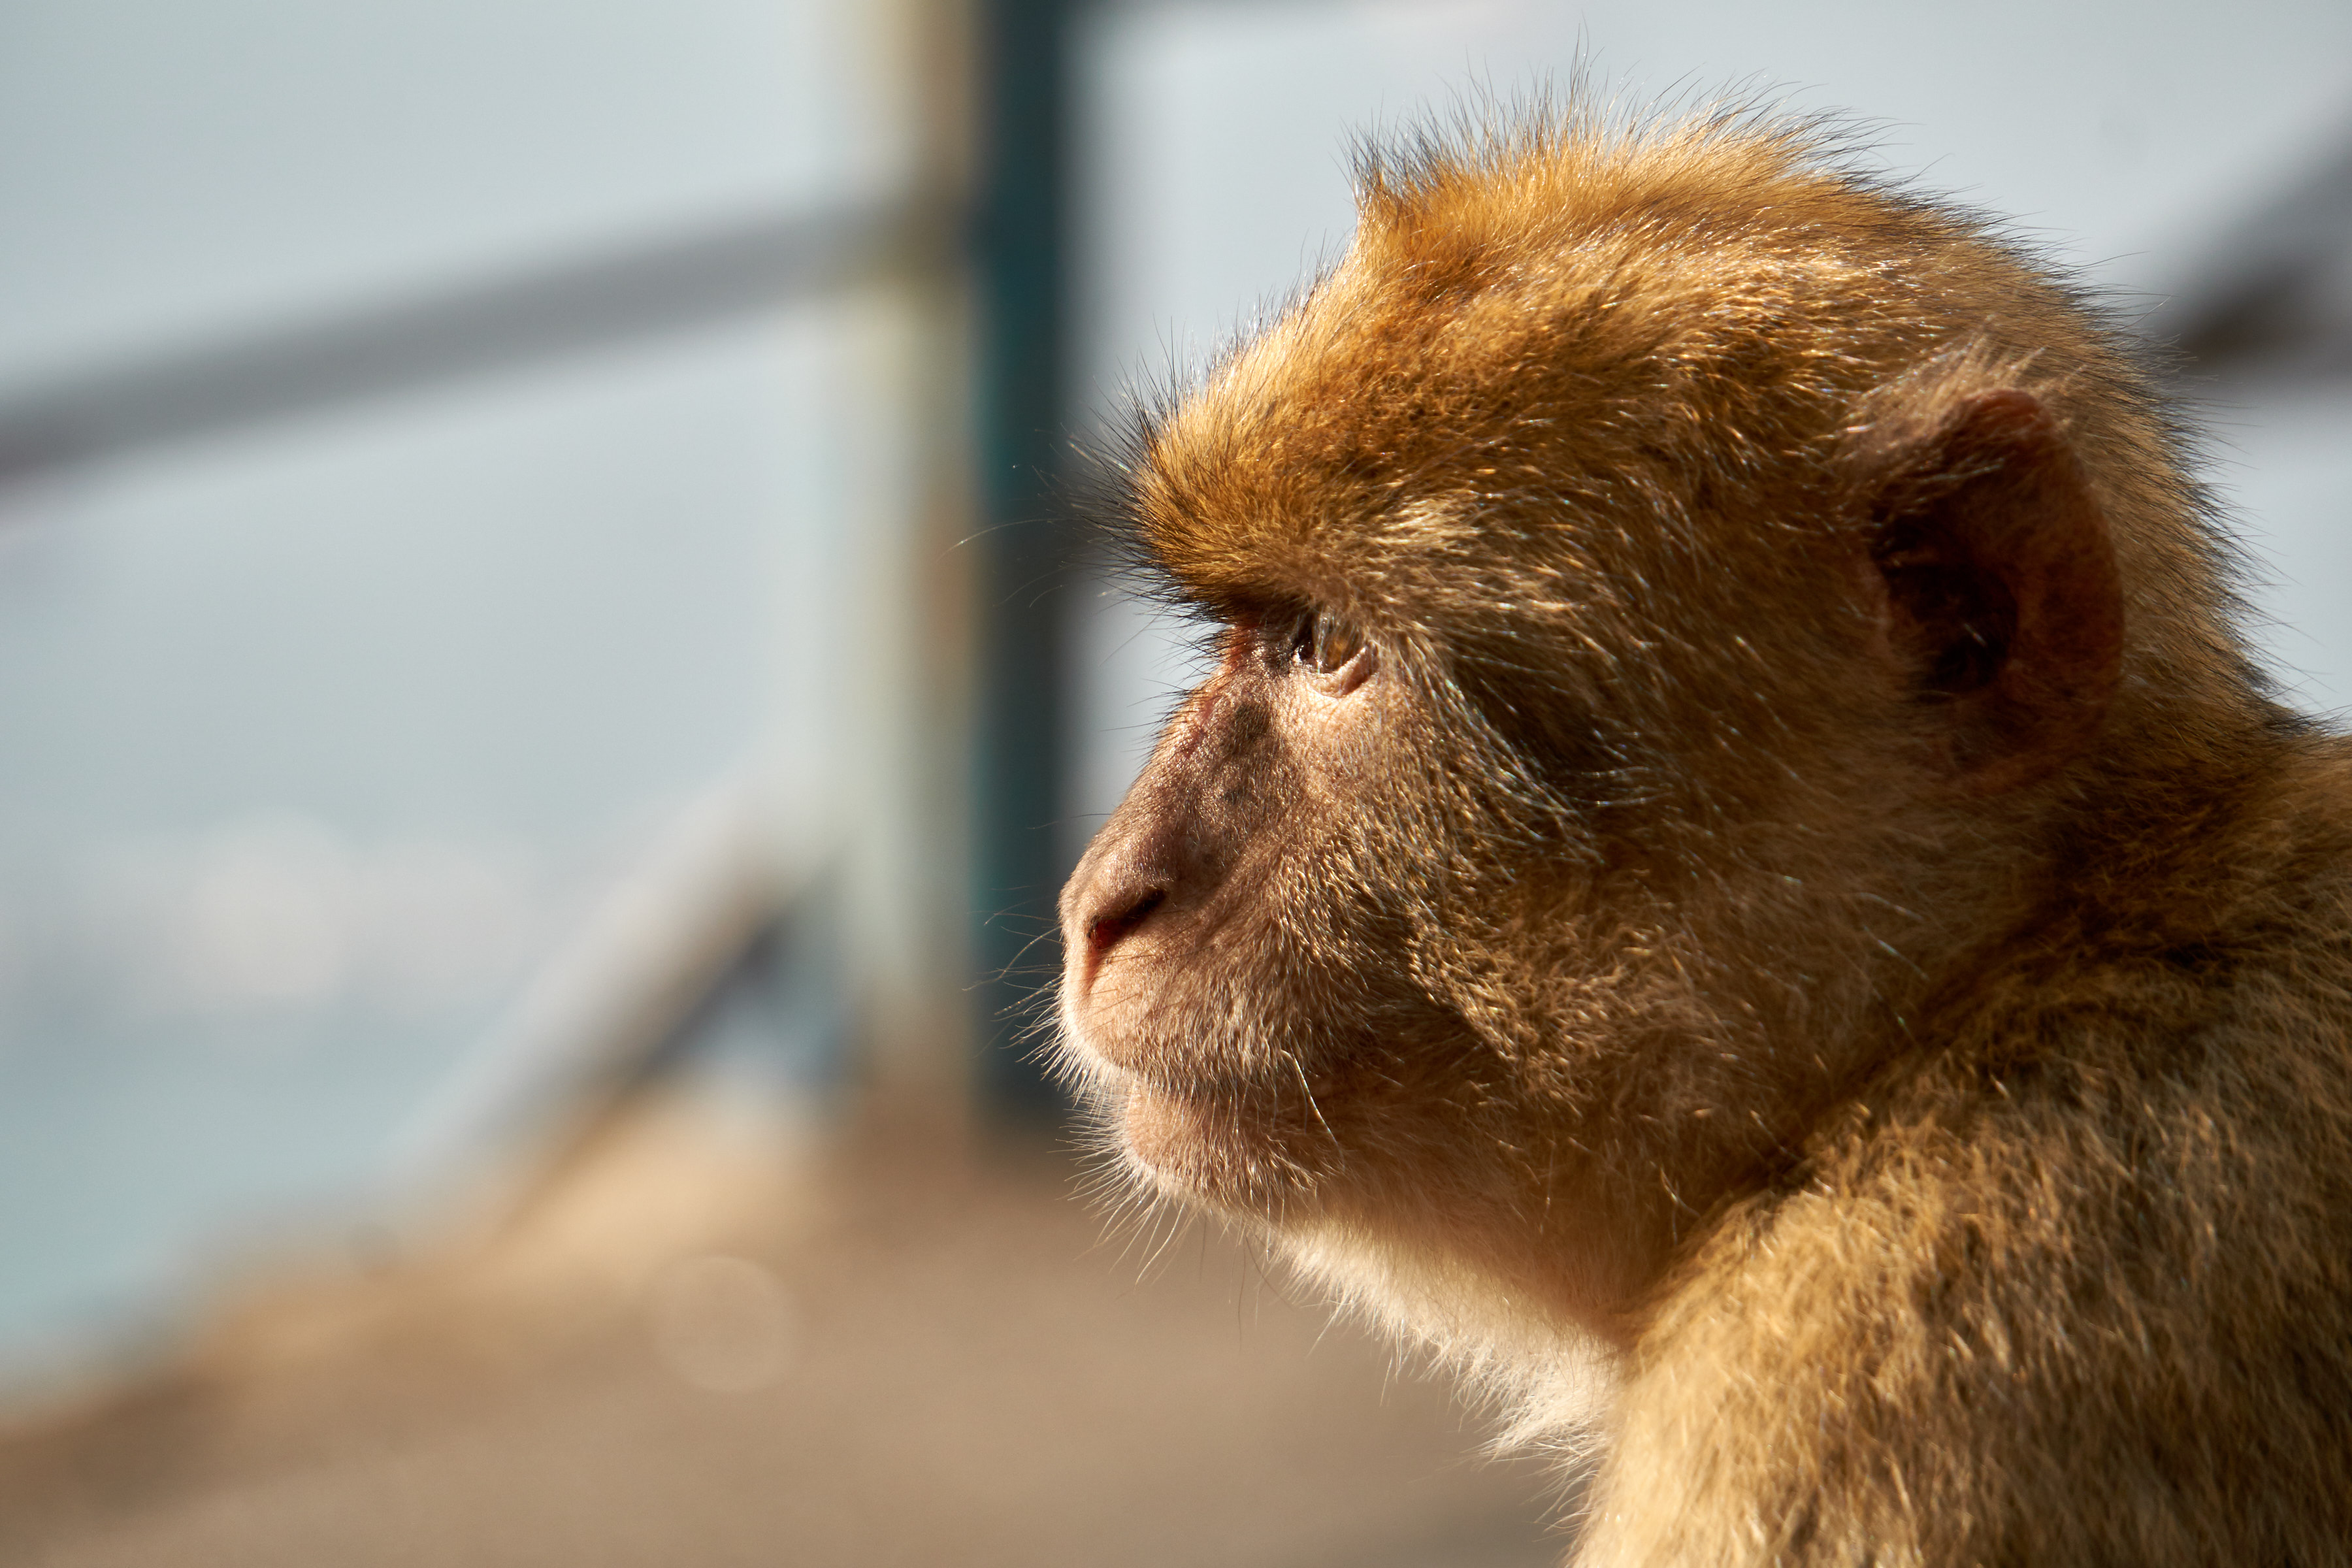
[1731, 849]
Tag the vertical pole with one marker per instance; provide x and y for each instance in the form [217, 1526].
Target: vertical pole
[912, 645]
[1025, 546]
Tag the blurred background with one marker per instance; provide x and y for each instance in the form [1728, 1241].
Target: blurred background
[550, 674]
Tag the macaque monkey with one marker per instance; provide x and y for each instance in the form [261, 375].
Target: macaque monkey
[1735, 877]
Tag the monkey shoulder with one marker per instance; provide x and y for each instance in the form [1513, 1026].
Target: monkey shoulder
[2027, 1314]
[2074, 1270]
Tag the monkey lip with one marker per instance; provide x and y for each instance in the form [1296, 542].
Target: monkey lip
[1152, 1007]
[1122, 1018]
[1100, 1027]
[1173, 1121]
[1131, 1051]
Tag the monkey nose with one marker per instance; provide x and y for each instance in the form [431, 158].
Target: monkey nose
[1114, 891]
[1126, 909]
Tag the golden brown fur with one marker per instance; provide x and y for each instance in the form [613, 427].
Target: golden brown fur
[1800, 918]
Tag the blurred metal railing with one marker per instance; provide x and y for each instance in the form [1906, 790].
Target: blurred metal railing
[572, 304]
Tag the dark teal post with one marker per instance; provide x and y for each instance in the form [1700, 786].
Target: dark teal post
[1026, 543]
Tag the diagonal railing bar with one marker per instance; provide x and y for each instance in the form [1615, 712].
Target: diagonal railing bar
[481, 326]
[2270, 297]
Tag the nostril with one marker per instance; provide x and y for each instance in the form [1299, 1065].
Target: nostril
[1108, 930]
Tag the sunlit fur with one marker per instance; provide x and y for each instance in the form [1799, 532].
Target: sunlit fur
[1887, 1135]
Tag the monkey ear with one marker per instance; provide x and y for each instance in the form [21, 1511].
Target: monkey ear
[2002, 605]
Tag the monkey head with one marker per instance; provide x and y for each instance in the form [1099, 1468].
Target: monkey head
[1666, 586]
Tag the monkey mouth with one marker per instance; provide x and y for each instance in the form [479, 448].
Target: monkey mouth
[1244, 1144]
[1137, 1050]
[1193, 1110]
[1129, 1022]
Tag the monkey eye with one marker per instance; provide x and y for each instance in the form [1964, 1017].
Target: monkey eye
[1324, 643]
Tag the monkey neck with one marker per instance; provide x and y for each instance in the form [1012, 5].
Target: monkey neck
[1805, 995]
[2160, 847]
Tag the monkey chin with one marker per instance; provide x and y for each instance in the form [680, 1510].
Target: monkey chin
[1219, 1144]
[1166, 1141]
[1549, 1372]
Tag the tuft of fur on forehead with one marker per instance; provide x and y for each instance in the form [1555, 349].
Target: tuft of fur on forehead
[1629, 348]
